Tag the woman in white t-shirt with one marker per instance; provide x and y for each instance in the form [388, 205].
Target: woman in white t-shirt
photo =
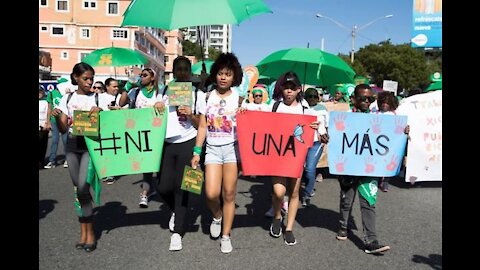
[288, 96]
[143, 97]
[218, 129]
[42, 129]
[78, 157]
[177, 150]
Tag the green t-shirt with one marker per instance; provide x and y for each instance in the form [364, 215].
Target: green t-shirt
[54, 98]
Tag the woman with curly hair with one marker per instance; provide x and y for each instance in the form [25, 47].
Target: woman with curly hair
[218, 129]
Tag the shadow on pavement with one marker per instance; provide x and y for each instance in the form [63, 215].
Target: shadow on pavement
[433, 260]
[45, 207]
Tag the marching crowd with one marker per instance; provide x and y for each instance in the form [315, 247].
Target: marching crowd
[208, 139]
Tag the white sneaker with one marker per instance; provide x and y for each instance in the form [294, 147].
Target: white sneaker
[171, 223]
[270, 212]
[216, 227]
[226, 244]
[50, 165]
[65, 164]
[143, 201]
[175, 242]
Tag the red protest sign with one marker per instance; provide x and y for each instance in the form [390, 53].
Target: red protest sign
[274, 144]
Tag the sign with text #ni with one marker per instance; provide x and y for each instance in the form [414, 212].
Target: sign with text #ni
[274, 144]
[130, 142]
[366, 144]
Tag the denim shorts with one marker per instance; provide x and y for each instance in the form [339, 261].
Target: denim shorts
[222, 154]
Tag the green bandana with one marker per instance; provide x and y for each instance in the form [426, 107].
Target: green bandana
[148, 94]
[94, 181]
[368, 188]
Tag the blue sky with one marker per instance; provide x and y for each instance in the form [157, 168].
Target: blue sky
[293, 24]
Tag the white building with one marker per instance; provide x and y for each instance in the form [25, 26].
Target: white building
[217, 36]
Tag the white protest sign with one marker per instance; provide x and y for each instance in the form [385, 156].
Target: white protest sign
[390, 86]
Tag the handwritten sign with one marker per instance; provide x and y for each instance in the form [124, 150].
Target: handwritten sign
[274, 144]
[130, 142]
[424, 161]
[366, 144]
[192, 180]
[85, 124]
[179, 93]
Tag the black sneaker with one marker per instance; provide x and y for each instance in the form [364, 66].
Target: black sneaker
[374, 247]
[289, 238]
[342, 234]
[276, 228]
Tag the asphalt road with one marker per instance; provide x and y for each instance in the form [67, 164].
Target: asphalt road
[409, 219]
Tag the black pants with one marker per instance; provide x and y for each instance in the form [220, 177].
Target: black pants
[42, 141]
[175, 157]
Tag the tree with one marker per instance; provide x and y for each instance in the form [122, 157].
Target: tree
[190, 48]
[401, 63]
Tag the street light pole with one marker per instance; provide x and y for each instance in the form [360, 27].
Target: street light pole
[354, 30]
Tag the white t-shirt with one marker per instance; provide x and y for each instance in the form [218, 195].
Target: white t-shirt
[42, 112]
[143, 102]
[299, 109]
[256, 107]
[221, 118]
[108, 98]
[79, 103]
[184, 125]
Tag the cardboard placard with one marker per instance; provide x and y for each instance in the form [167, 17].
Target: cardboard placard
[179, 93]
[85, 125]
[192, 180]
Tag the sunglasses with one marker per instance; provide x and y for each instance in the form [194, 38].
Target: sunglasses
[144, 75]
[364, 99]
[258, 96]
[97, 87]
[311, 96]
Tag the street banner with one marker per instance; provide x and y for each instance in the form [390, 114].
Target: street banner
[424, 161]
[130, 142]
[365, 144]
[274, 144]
[427, 24]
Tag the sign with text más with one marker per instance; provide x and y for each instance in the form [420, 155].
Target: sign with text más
[365, 144]
[274, 144]
[130, 142]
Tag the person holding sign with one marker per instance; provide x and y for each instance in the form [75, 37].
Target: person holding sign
[288, 98]
[142, 97]
[363, 97]
[177, 151]
[81, 170]
[218, 129]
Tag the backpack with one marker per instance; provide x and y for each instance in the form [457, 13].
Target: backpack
[277, 103]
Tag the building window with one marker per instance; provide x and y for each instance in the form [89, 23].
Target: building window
[112, 8]
[89, 4]
[84, 33]
[58, 30]
[119, 34]
[82, 55]
[43, 29]
[62, 6]
[64, 55]
[166, 40]
[43, 3]
[165, 59]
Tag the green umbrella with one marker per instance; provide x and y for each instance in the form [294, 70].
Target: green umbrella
[197, 68]
[174, 14]
[114, 57]
[434, 86]
[313, 66]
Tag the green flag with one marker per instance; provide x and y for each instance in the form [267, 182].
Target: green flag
[368, 188]
[130, 142]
